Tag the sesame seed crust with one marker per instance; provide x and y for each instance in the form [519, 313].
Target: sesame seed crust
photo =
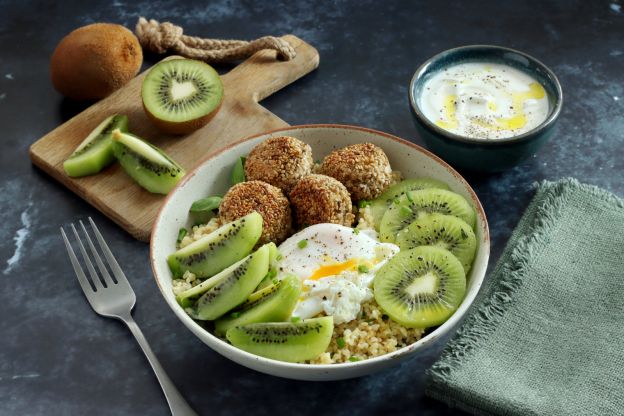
[363, 168]
[268, 200]
[279, 161]
[321, 199]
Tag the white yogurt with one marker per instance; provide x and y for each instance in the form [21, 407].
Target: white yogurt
[484, 100]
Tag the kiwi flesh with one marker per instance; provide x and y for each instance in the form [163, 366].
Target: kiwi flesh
[221, 248]
[420, 287]
[284, 341]
[181, 95]
[405, 210]
[228, 289]
[379, 205]
[95, 152]
[443, 231]
[149, 166]
[274, 303]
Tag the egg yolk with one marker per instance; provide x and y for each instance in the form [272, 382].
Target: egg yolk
[333, 269]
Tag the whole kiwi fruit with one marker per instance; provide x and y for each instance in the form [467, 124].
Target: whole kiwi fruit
[93, 61]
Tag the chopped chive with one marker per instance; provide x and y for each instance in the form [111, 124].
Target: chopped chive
[362, 268]
[271, 274]
[295, 319]
[409, 196]
[354, 359]
[238, 171]
[340, 342]
[396, 201]
[363, 203]
[356, 231]
[279, 257]
[302, 243]
[275, 281]
[181, 234]
[235, 315]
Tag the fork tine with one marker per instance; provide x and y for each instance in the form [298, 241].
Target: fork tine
[107, 277]
[95, 279]
[117, 272]
[82, 279]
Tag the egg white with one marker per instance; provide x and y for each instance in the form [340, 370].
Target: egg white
[336, 265]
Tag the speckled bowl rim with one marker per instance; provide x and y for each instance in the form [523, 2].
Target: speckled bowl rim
[328, 368]
[554, 114]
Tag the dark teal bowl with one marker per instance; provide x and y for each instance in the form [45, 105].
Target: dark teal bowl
[478, 154]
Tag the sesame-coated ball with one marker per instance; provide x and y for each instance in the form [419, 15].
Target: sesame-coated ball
[363, 168]
[279, 161]
[268, 200]
[318, 199]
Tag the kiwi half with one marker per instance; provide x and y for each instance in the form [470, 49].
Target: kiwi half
[379, 205]
[403, 211]
[443, 231]
[228, 289]
[219, 249]
[274, 303]
[284, 341]
[181, 95]
[96, 150]
[421, 287]
[149, 166]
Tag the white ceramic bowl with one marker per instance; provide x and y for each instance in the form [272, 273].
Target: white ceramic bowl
[211, 177]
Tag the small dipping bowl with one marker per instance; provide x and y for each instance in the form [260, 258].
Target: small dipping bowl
[485, 155]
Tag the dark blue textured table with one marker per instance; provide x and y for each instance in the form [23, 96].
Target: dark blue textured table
[57, 357]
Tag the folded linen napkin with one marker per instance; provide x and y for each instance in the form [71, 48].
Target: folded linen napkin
[546, 335]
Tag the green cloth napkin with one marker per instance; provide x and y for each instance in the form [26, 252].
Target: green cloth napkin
[546, 335]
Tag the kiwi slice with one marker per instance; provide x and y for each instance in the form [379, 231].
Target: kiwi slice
[181, 95]
[403, 211]
[274, 303]
[149, 166]
[219, 249]
[228, 289]
[379, 205]
[444, 231]
[421, 287]
[96, 151]
[284, 341]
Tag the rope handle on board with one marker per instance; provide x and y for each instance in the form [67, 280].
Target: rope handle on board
[162, 37]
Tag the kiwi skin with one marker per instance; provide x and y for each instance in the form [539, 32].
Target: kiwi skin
[182, 128]
[93, 61]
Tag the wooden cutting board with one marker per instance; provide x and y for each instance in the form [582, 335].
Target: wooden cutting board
[113, 192]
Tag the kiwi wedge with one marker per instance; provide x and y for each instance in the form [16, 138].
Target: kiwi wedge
[284, 341]
[379, 205]
[403, 211]
[96, 150]
[421, 287]
[274, 303]
[219, 249]
[149, 166]
[227, 289]
[443, 231]
[181, 95]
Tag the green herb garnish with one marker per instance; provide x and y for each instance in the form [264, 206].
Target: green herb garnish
[302, 243]
[356, 231]
[409, 196]
[295, 319]
[209, 204]
[235, 315]
[354, 359]
[238, 171]
[181, 234]
[362, 269]
[363, 203]
[405, 211]
[340, 342]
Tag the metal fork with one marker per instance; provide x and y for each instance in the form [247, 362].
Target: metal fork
[114, 298]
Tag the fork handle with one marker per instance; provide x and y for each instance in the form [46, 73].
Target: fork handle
[177, 403]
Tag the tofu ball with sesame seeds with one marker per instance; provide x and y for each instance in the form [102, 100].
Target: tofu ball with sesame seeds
[268, 200]
[363, 168]
[279, 161]
[319, 199]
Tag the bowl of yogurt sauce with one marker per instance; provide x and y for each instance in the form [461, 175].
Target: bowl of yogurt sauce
[485, 108]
